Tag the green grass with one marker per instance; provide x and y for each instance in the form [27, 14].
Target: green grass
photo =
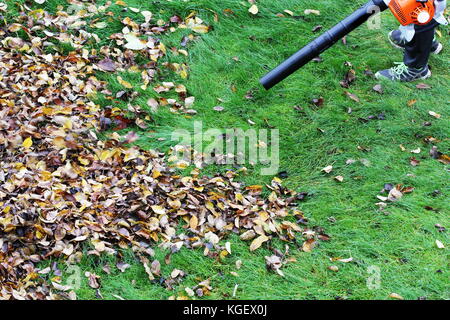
[400, 240]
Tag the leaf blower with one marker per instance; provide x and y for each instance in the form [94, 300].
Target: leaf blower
[406, 11]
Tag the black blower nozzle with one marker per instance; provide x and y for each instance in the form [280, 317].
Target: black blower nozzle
[322, 43]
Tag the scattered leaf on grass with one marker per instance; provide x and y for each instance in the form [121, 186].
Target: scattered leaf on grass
[423, 86]
[274, 263]
[333, 268]
[394, 195]
[412, 102]
[378, 88]
[327, 169]
[253, 9]
[308, 245]
[346, 260]
[122, 266]
[434, 114]
[414, 162]
[439, 244]
[258, 242]
[93, 280]
[107, 65]
[396, 296]
[312, 11]
[189, 292]
[349, 78]
[318, 101]
[134, 43]
[155, 268]
[248, 235]
[317, 28]
[352, 96]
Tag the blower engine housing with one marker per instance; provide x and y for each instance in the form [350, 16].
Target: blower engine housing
[413, 11]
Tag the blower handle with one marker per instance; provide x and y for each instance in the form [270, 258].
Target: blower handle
[321, 43]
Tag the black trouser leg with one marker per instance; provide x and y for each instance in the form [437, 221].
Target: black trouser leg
[417, 51]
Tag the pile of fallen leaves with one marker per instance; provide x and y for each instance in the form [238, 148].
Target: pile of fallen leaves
[61, 186]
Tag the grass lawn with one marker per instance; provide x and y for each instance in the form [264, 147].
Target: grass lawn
[226, 64]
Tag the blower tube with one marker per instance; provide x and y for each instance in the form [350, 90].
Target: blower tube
[322, 43]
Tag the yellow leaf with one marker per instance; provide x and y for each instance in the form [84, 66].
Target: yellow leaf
[46, 175]
[308, 245]
[47, 111]
[182, 164]
[396, 296]
[68, 124]
[27, 143]
[131, 154]
[158, 209]
[193, 223]
[155, 174]
[124, 83]
[183, 74]
[59, 142]
[14, 27]
[83, 161]
[223, 254]
[289, 12]
[105, 155]
[255, 188]
[209, 205]
[258, 242]
[200, 29]
[175, 204]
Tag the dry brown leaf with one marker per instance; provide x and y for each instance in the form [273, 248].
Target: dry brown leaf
[309, 245]
[396, 296]
[193, 223]
[258, 242]
[434, 114]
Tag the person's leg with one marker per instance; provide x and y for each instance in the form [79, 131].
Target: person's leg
[415, 59]
[417, 51]
[397, 39]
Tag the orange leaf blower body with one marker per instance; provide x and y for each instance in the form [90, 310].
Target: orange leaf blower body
[412, 11]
